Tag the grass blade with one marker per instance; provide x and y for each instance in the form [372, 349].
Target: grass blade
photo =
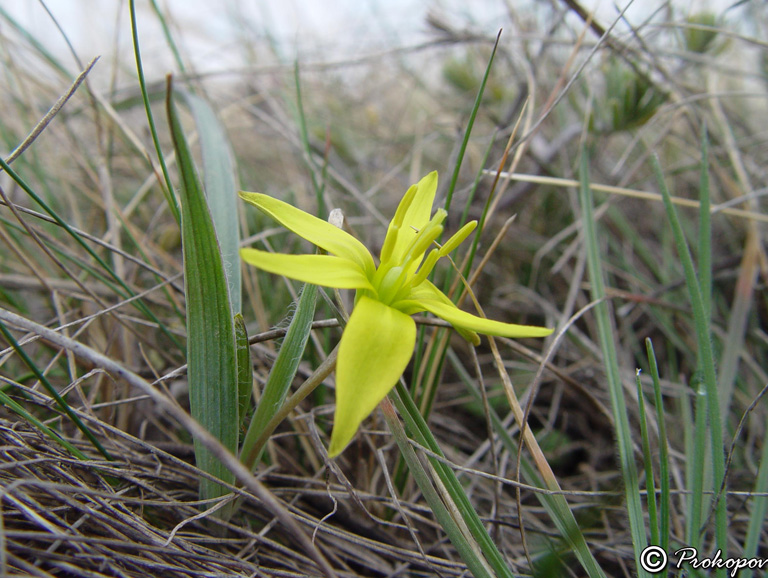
[168, 187]
[60, 401]
[419, 431]
[211, 355]
[664, 475]
[19, 410]
[555, 503]
[608, 347]
[650, 484]
[468, 551]
[706, 363]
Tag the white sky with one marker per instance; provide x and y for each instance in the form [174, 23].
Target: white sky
[211, 31]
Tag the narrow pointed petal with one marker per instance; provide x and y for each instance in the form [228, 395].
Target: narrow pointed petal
[375, 348]
[314, 230]
[323, 270]
[427, 297]
[427, 291]
[462, 319]
[416, 216]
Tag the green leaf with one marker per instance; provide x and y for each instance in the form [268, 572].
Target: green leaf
[60, 401]
[244, 367]
[281, 375]
[211, 355]
[220, 190]
[465, 544]
[706, 361]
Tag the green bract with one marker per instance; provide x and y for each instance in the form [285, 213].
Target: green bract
[378, 340]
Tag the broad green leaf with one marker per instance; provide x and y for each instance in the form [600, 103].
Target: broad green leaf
[211, 355]
[220, 190]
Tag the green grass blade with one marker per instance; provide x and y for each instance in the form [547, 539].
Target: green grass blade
[664, 474]
[650, 484]
[244, 368]
[281, 375]
[608, 347]
[477, 566]
[35, 43]
[470, 124]
[705, 231]
[419, 431]
[81, 242]
[60, 401]
[319, 186]
[758, 512]
[168, 188]
[220, 190]
[168, 36]
[211, 356]
[706, 363]
[19, 410]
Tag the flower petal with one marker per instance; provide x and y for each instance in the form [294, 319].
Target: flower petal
[375, 348]
[324, 270]
[314, 230]
[426, 290]
[416, 216]
[462, 319]
[431, 299]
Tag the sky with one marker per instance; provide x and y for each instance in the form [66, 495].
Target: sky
[212, 32]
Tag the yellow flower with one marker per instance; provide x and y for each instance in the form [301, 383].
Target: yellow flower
[379, 337]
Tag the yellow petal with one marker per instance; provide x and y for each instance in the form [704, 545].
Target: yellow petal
[462, 319]
[324, 270]
[375, 348]
[429, 298]
[411, 216]
[426, 291]
[314, 230]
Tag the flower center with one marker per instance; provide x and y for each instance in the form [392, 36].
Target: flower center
[397, 274]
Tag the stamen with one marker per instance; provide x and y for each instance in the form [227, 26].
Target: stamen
[426, 268]
[458, 238]
[389, 243]
[390, 240]
[424, 238]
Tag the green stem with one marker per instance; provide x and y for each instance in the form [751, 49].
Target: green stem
[312, 382]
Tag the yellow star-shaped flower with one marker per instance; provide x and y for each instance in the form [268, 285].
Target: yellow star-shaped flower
[377, 342]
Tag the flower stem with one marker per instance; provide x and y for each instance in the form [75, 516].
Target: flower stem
[311, 383]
